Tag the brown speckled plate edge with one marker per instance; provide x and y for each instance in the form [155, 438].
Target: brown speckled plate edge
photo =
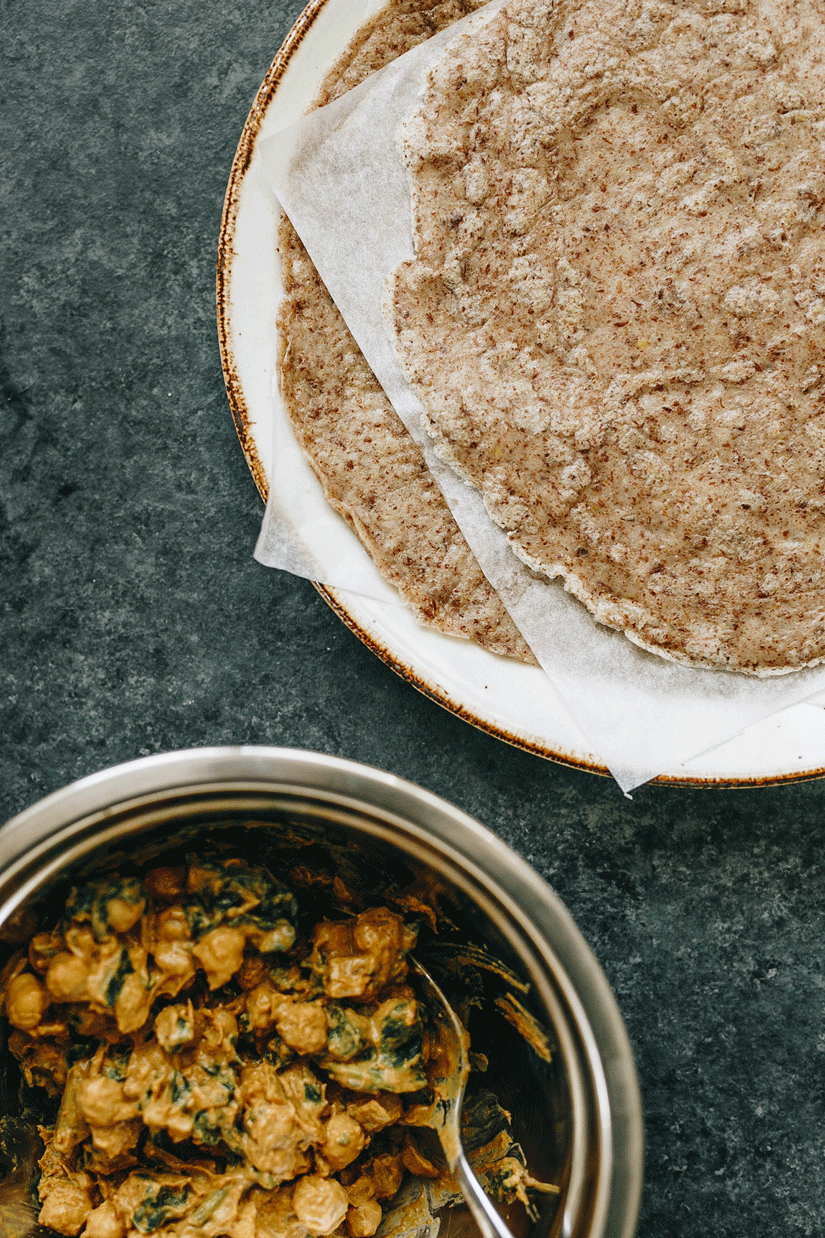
[240, 416]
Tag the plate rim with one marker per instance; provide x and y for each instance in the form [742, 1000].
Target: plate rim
[242, 421]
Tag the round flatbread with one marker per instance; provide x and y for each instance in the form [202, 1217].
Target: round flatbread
[616, 314]
[372, 472]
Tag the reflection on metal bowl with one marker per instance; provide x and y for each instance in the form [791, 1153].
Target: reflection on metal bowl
[577, 1116]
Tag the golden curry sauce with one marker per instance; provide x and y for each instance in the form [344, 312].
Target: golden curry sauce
[220, 1073]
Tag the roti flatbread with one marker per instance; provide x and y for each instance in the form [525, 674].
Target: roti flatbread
[371, 471]
[615, 319]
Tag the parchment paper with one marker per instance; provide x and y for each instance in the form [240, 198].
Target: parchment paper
[338, 175]
[290, 536]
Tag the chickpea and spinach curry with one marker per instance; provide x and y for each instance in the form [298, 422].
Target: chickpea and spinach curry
[221, 1070]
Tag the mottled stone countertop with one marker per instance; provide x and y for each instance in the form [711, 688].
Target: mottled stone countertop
[134, 619]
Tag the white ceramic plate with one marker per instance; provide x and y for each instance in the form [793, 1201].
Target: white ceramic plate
[514, 702]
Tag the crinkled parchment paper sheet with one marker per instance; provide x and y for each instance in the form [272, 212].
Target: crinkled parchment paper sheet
[340, 178]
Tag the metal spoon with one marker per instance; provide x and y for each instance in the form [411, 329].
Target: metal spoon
[449, 1082]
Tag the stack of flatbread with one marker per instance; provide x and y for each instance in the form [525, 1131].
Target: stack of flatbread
[371, 470]
[614, 321]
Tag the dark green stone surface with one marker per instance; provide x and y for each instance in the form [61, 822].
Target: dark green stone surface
[133, 619]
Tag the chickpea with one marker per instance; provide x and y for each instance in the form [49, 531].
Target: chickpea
[66, 1207]
[320, 1203]
[99, 1099]
[253, 972]
[386, 1172]
[359, 1191]
[280, 937]
[172, 925]
[166, 884]
[122, 914]
[26, 1001]
[343, 1140]
[66, 978]
[175, 1027]
[104, 1222]
[198, 878]
[221, 1031]
[221, 953]
[377, 1112]
[132, 1004]
[172, 943]
[303, 1026]
[363, 1220]
[263, 1003]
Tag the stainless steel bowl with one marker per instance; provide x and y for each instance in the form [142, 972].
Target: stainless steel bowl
[580, 1115]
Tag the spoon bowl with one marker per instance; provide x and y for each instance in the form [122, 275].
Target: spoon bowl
[449, 1082]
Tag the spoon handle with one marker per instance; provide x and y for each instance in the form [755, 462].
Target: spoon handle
[479, 1203]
